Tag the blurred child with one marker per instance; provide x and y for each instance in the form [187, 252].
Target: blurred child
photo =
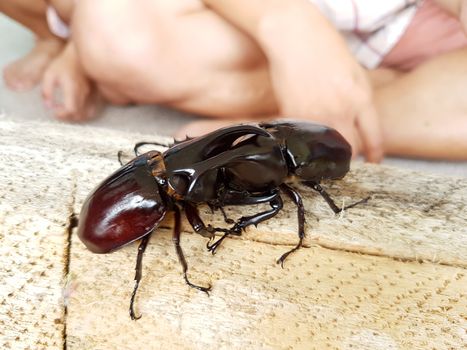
[390, 75]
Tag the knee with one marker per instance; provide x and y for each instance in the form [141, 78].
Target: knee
[110, 42]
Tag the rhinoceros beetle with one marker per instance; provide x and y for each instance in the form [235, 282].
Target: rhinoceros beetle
[236, 165]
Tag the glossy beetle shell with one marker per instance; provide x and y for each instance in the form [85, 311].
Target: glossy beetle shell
[123, 208]
[314, 152]
[195, 167]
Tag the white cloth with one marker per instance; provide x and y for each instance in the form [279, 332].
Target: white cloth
[56, 24]
[371, 28]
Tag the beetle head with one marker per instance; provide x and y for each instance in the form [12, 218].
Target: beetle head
[126, 206]
[327, 156]
[313, 152]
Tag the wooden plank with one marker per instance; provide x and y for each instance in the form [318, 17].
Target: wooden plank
[417, 216]
[409, 216]
[321, 299]
[359, 282]
[33, 245]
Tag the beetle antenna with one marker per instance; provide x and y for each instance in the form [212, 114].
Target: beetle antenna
[138, 274]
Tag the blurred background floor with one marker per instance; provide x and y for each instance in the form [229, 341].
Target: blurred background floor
[15, 41]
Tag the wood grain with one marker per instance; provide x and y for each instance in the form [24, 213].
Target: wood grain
[389, 274]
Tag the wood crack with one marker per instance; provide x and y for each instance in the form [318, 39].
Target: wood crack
[72, 222]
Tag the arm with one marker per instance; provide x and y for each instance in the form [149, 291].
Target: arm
[313, 73]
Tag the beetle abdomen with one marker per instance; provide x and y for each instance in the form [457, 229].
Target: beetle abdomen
[123, 208]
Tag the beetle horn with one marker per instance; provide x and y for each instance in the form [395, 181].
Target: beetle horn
[222, 139]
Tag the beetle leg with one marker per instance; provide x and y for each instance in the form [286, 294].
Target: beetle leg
[207, 231]
[178, 249]
[226, 219]
[213, 247]
[214, 207]
[119, 157]
[138, 274]
[276, 205]
[191, 213]
[297, 199]
[317, 187]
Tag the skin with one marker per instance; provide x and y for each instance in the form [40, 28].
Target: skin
[52, 62]
[65, 75]
[26, 72]
[431, 120]
[226, 59]
[320, 74]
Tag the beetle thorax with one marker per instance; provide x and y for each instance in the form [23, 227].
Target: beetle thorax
[156, 164]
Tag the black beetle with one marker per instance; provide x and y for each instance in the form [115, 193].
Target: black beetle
[237, 165]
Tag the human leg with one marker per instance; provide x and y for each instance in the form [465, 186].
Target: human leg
[30, 13]
[169, 53]
[25, 73]
[424, 112]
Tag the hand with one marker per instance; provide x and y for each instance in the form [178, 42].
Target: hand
[313, 74]
[318, 79]
[66, 89]
[346, 107]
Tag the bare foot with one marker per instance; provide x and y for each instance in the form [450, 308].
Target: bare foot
[25, 73]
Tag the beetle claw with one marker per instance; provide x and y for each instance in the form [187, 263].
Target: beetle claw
[208, 247]
[133, 316]
[200, 288]
[282, 259]
[205, 289]
[213, 247]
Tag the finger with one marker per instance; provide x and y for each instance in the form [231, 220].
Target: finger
[48, 86]
[82, 102]
[349, 131]
[71, 97]
[68, 107]
[355, 143]
[93, 105]
[370, 134]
